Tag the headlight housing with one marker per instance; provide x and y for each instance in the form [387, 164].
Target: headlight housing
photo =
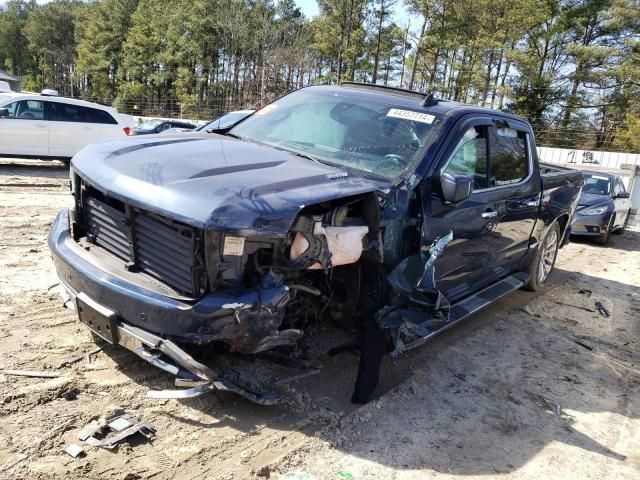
[594, 210]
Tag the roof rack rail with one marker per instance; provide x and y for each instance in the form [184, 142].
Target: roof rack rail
[427, 98]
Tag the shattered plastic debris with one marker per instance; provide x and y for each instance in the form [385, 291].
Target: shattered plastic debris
[110, 432]
[74, 450]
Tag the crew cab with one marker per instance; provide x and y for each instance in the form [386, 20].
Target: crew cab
[49, 126]
[385, 209]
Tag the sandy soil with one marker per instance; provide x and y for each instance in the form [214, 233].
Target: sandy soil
[538, 386]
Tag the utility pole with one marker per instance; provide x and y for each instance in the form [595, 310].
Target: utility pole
[417, 54]
[404, 51]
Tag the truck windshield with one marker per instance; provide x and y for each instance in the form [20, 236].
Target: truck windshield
[343, 130]
[596, 184]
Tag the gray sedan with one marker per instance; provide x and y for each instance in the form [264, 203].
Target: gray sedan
[603, 207]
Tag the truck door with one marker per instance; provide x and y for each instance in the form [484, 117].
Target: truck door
[491, 228]
[515, 188]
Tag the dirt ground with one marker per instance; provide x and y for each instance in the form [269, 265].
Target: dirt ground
[538, 386]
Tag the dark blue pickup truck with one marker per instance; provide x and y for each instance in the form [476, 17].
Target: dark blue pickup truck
[384, 209]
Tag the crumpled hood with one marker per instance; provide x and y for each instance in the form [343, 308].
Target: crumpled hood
[588, 199]
[212, 181]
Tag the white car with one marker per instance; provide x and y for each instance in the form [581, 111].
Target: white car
[46, 125]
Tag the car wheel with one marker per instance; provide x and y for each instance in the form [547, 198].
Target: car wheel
[545, 258]
[604, 239]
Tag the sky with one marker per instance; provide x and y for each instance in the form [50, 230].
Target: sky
[310, 9]
[401, 14]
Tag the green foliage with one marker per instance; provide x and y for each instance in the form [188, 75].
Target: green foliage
[572, 68]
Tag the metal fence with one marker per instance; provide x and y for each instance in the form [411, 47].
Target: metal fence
[569, 157]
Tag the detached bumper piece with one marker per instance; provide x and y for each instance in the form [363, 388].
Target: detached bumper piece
[151, 348]
[187, 369]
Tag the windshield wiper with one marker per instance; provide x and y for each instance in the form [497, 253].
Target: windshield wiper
[233, 135]
[304, 155]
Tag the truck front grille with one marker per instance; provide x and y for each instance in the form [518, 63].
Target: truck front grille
[107, 227]
[162, 248]
[165, 251]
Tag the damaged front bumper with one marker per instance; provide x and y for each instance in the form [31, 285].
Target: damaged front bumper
[149, 323]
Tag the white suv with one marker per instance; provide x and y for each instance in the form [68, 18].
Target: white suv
[51, 126]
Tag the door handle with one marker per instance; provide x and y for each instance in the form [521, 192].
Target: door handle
[39, 125]
[489, 214]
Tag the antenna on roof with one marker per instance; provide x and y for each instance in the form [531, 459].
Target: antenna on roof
[429, 101]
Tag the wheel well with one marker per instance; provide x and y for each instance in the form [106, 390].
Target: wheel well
[562, 221]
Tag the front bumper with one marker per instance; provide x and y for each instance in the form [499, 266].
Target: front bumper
[247, 321]
[590, 225]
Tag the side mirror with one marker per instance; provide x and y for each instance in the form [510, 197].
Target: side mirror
[4, 112]
[456, 187]
[623, 195]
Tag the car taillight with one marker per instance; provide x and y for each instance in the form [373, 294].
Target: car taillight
[127, 131]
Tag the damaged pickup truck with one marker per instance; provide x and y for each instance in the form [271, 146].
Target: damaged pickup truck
[384, 209]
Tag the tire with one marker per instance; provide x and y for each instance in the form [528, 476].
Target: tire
[604, 239]
[544, 259]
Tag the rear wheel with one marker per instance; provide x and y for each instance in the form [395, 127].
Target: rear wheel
[545, 258]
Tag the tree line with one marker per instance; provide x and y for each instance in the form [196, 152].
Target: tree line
[572, 67]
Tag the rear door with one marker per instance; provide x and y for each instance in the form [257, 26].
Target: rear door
[71, 128]
[106, 126]
[25, 131]
[515, 191]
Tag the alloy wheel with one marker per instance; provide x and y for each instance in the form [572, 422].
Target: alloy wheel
[548, 256]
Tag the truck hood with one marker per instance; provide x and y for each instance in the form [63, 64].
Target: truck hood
[215, 182]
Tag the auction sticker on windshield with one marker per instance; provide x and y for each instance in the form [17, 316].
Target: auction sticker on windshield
[411, 115]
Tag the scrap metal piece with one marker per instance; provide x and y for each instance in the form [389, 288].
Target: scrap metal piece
[187, 393]
[74, 450]
[29, 373]
[602, 310]
[136, 340]
[188, 382]
[83, 356]
[115, 438]
[427, 281]
[119, 424]
[109, 432]
[91, 428]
